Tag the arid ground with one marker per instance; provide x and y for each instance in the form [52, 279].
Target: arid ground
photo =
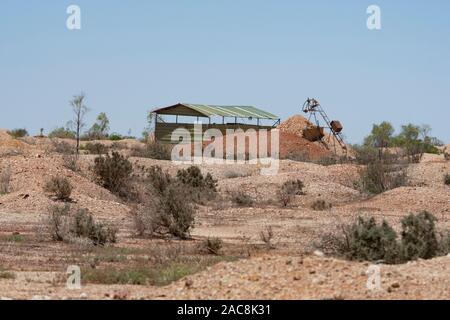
[289, 267]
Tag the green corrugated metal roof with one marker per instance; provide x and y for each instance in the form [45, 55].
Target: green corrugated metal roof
[227, 111]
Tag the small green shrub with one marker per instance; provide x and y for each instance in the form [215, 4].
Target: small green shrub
[114, 173]
[447, 179]
[213, 245]
[5, 180]
[366, 154]
[62, 133]
[170, 212]
[18, 133]
[446, 156]
[266, 236]
[65, 224]
[193, 177]
[365, 240]
[289, 190]
[321, 205]
[233, 174]
[378, 177]
[62, 147]
[242, 199]
[59, 187]
[419, 239]
[115, 137]
[86, 227]
[158, 178]
[153, 150]
[70, 161]
[201, 187]
[57, 222]
[7, 275]
[177, 214]
[96, 148]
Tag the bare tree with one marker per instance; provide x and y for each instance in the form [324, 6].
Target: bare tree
[79, 110]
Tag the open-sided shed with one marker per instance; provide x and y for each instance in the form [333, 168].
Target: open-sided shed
[211, 116]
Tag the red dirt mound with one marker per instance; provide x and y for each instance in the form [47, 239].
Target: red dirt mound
[295, 125]
[289, 145]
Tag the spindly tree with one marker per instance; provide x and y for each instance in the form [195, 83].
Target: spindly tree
[79, 110]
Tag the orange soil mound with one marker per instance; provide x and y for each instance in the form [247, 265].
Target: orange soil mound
[295, 125]
[289, 144]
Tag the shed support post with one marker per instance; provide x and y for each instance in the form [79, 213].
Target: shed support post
[156, 126]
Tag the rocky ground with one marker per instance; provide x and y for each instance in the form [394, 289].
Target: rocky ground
[32, 266]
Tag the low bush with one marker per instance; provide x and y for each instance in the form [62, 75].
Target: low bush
[419, 238]
[115, 137]
[266, 236]
[365, 240]
[86, 227]
[321, 205]
[213, 245]
[167, 207]
[368, 241]
[169, 213]
[18, 133]
[193, 177]
[379, 176]
[158, 178]
[62, 147]
[241, 199]
[57, 222]
[59, 187]
[366, 154]
[201, 187]
[447, 179]
[5, 180]
[114, 173]
[96, 148]
[153, 150]
[7, 275]
[70, 161]
[233, 174]
[65, 224]
[62, 133]
[289, 190]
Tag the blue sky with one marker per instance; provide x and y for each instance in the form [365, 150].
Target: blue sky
[132, 56]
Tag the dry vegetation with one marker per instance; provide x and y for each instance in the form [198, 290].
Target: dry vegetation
[142, 227]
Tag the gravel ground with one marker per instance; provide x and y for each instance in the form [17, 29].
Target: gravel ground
[288, 271]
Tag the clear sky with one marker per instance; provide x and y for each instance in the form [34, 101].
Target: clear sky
[132, 56]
